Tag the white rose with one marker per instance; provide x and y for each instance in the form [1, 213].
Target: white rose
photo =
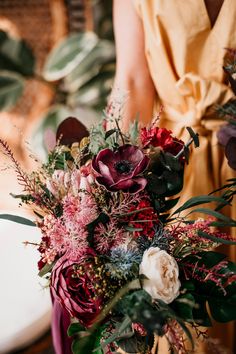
[162, 272]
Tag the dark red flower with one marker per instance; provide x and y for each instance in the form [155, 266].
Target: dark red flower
[120, 170]
[161, 137]
[75, 286]
[137, 219]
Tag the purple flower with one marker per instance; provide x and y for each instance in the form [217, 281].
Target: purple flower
[230, 152]
[227, 137]
[226, 132]
[119, 170]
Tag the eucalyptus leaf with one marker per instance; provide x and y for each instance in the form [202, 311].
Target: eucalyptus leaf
[215, 214]
[68, 54]
[17, 219]
[201, 199]
[215, 239]
[46, 269]
[11, 89]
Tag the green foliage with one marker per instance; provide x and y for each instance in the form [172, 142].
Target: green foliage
[138, 306]
[68, 54]
[11, 89]
[17, 219]
[214, 281]
[15, 55]
[46, 269]
[166, 177]
[75, 328]
[102, 53]
[201, 199]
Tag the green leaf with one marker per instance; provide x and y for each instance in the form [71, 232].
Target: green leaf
[223, 309]
[169, 204]
[75, 328]
[16, 55]
[223, 224]
[94, 92]
[18, 219]
[215, 239]
[201, 199]
[118, 332]
[91, 65]
[132, 229]
[200, 313]
[68, 54]
[129, 345]
[134, 130]
[213, 213]
[11, 89]
[170, 162]
[194, 136]
[109, 133]
[183, 306]
[46, 269]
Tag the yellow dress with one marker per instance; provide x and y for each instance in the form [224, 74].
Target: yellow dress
[185, 55]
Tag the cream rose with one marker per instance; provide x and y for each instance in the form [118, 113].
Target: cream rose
[162, 272]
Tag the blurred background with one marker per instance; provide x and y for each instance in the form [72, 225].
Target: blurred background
[57, 59]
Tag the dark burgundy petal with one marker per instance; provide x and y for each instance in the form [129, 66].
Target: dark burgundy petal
[71, 130]
[105, 155]
[105, 172]
[131, 153]
[123, 184]
[141, 166]
[139, 185]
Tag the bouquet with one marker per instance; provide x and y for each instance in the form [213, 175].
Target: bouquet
[125, 266]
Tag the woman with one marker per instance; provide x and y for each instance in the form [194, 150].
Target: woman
[171, 53]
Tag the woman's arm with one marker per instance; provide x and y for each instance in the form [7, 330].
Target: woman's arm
[132, 73]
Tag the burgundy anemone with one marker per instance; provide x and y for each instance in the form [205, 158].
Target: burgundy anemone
[120, 170]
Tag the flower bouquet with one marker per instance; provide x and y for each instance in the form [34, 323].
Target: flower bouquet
[119, 260]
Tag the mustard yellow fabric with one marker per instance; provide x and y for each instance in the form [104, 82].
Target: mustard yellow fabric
[185, 55]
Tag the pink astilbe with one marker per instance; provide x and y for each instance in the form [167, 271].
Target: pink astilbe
[54, 229]
[68, 233]
[120, 203]
[22, 177]
[215, 274]
[176, 337]
[189, 232]
[109, 236]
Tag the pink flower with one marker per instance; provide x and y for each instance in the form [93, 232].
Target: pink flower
[73, 285]
[59, 183]
[120, 170]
